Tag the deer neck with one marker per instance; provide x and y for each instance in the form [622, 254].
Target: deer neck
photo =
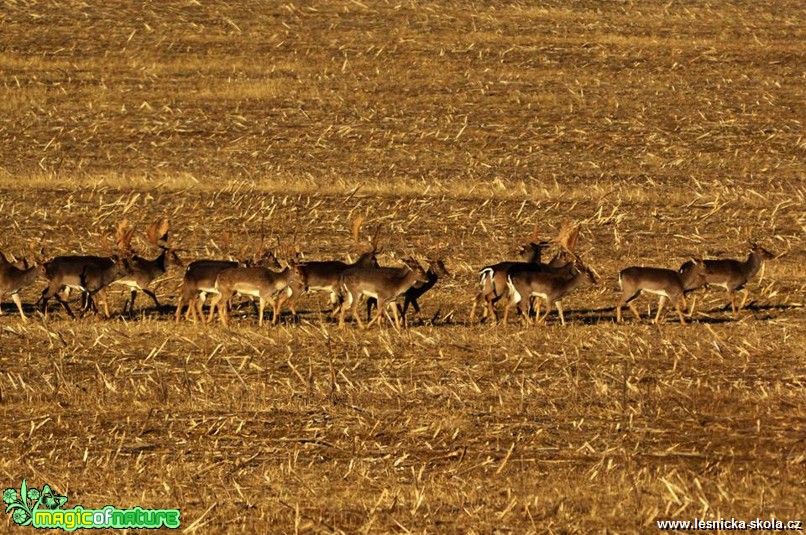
[26, 276]
[752, 265]
[406, 279]
[162, 260]
[534, 255]
[574, 282]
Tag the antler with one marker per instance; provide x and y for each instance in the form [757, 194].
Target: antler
[158, 231]
[567, 239]
[357, 222]
[373, 241]
[749, 237]
[123, 236]
[38, 256]
[534, 237]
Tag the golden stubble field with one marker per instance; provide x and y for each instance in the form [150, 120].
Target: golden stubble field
[666, 130]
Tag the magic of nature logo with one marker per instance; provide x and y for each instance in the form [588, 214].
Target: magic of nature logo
[43, 509]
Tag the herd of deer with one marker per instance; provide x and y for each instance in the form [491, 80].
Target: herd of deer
[520, 285]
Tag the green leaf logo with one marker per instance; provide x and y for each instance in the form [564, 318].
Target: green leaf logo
[24, 504]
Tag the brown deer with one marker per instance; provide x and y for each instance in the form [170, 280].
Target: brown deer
[199, 281]
[525, 283]
[143, 271]
[436, 269]
[666, 283]
[493, 279]
[324, 275]
[88, 274]
[259, 282]
[732, 275]
[385, 284]
[18, 275]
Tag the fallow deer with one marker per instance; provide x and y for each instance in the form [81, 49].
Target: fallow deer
[436, 269]
[259, 282]
[493, 279]
[666, 283]
[144, 271]
[385, 284]
[18, 275]
[732, 275]
[525, 283]
[199, 281]
[88, 274]
[324, 275]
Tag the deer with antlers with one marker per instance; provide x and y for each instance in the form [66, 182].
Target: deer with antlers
[144, 271]
[88, 274]
[17, 275]
[324, 276]
[493, 278]
[525, 283]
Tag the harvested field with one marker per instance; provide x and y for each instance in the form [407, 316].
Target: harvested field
[667, 131]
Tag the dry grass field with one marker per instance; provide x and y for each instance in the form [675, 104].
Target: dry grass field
[666, 129]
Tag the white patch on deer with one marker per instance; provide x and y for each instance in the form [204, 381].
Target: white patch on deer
[516, 296]
[247, 289]
[128, 282]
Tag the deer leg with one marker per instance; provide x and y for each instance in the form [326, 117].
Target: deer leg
[100, 297]
[403, 317]
[510, 303]
[379, 312]
[153, 297]
[193, 309]
[66, 306]
[398, 321]
[131, 303]
[87, 301]
[213, 303]
[49, 292]
[559, 306]
[370, 302]
[538, 306]
[334, 303]
[178, 311]
[693, 304]
[341, 315]
[405, 307]
[356, 315]
[275, 309]
[261, 308]
[16, 298]
[523, 309]
[661, 302]
[292, 302]
[201, 298]
[733, 302]
[744, 298]
[491, 300]
[285, 297]
[680, 305]
[636, 316]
